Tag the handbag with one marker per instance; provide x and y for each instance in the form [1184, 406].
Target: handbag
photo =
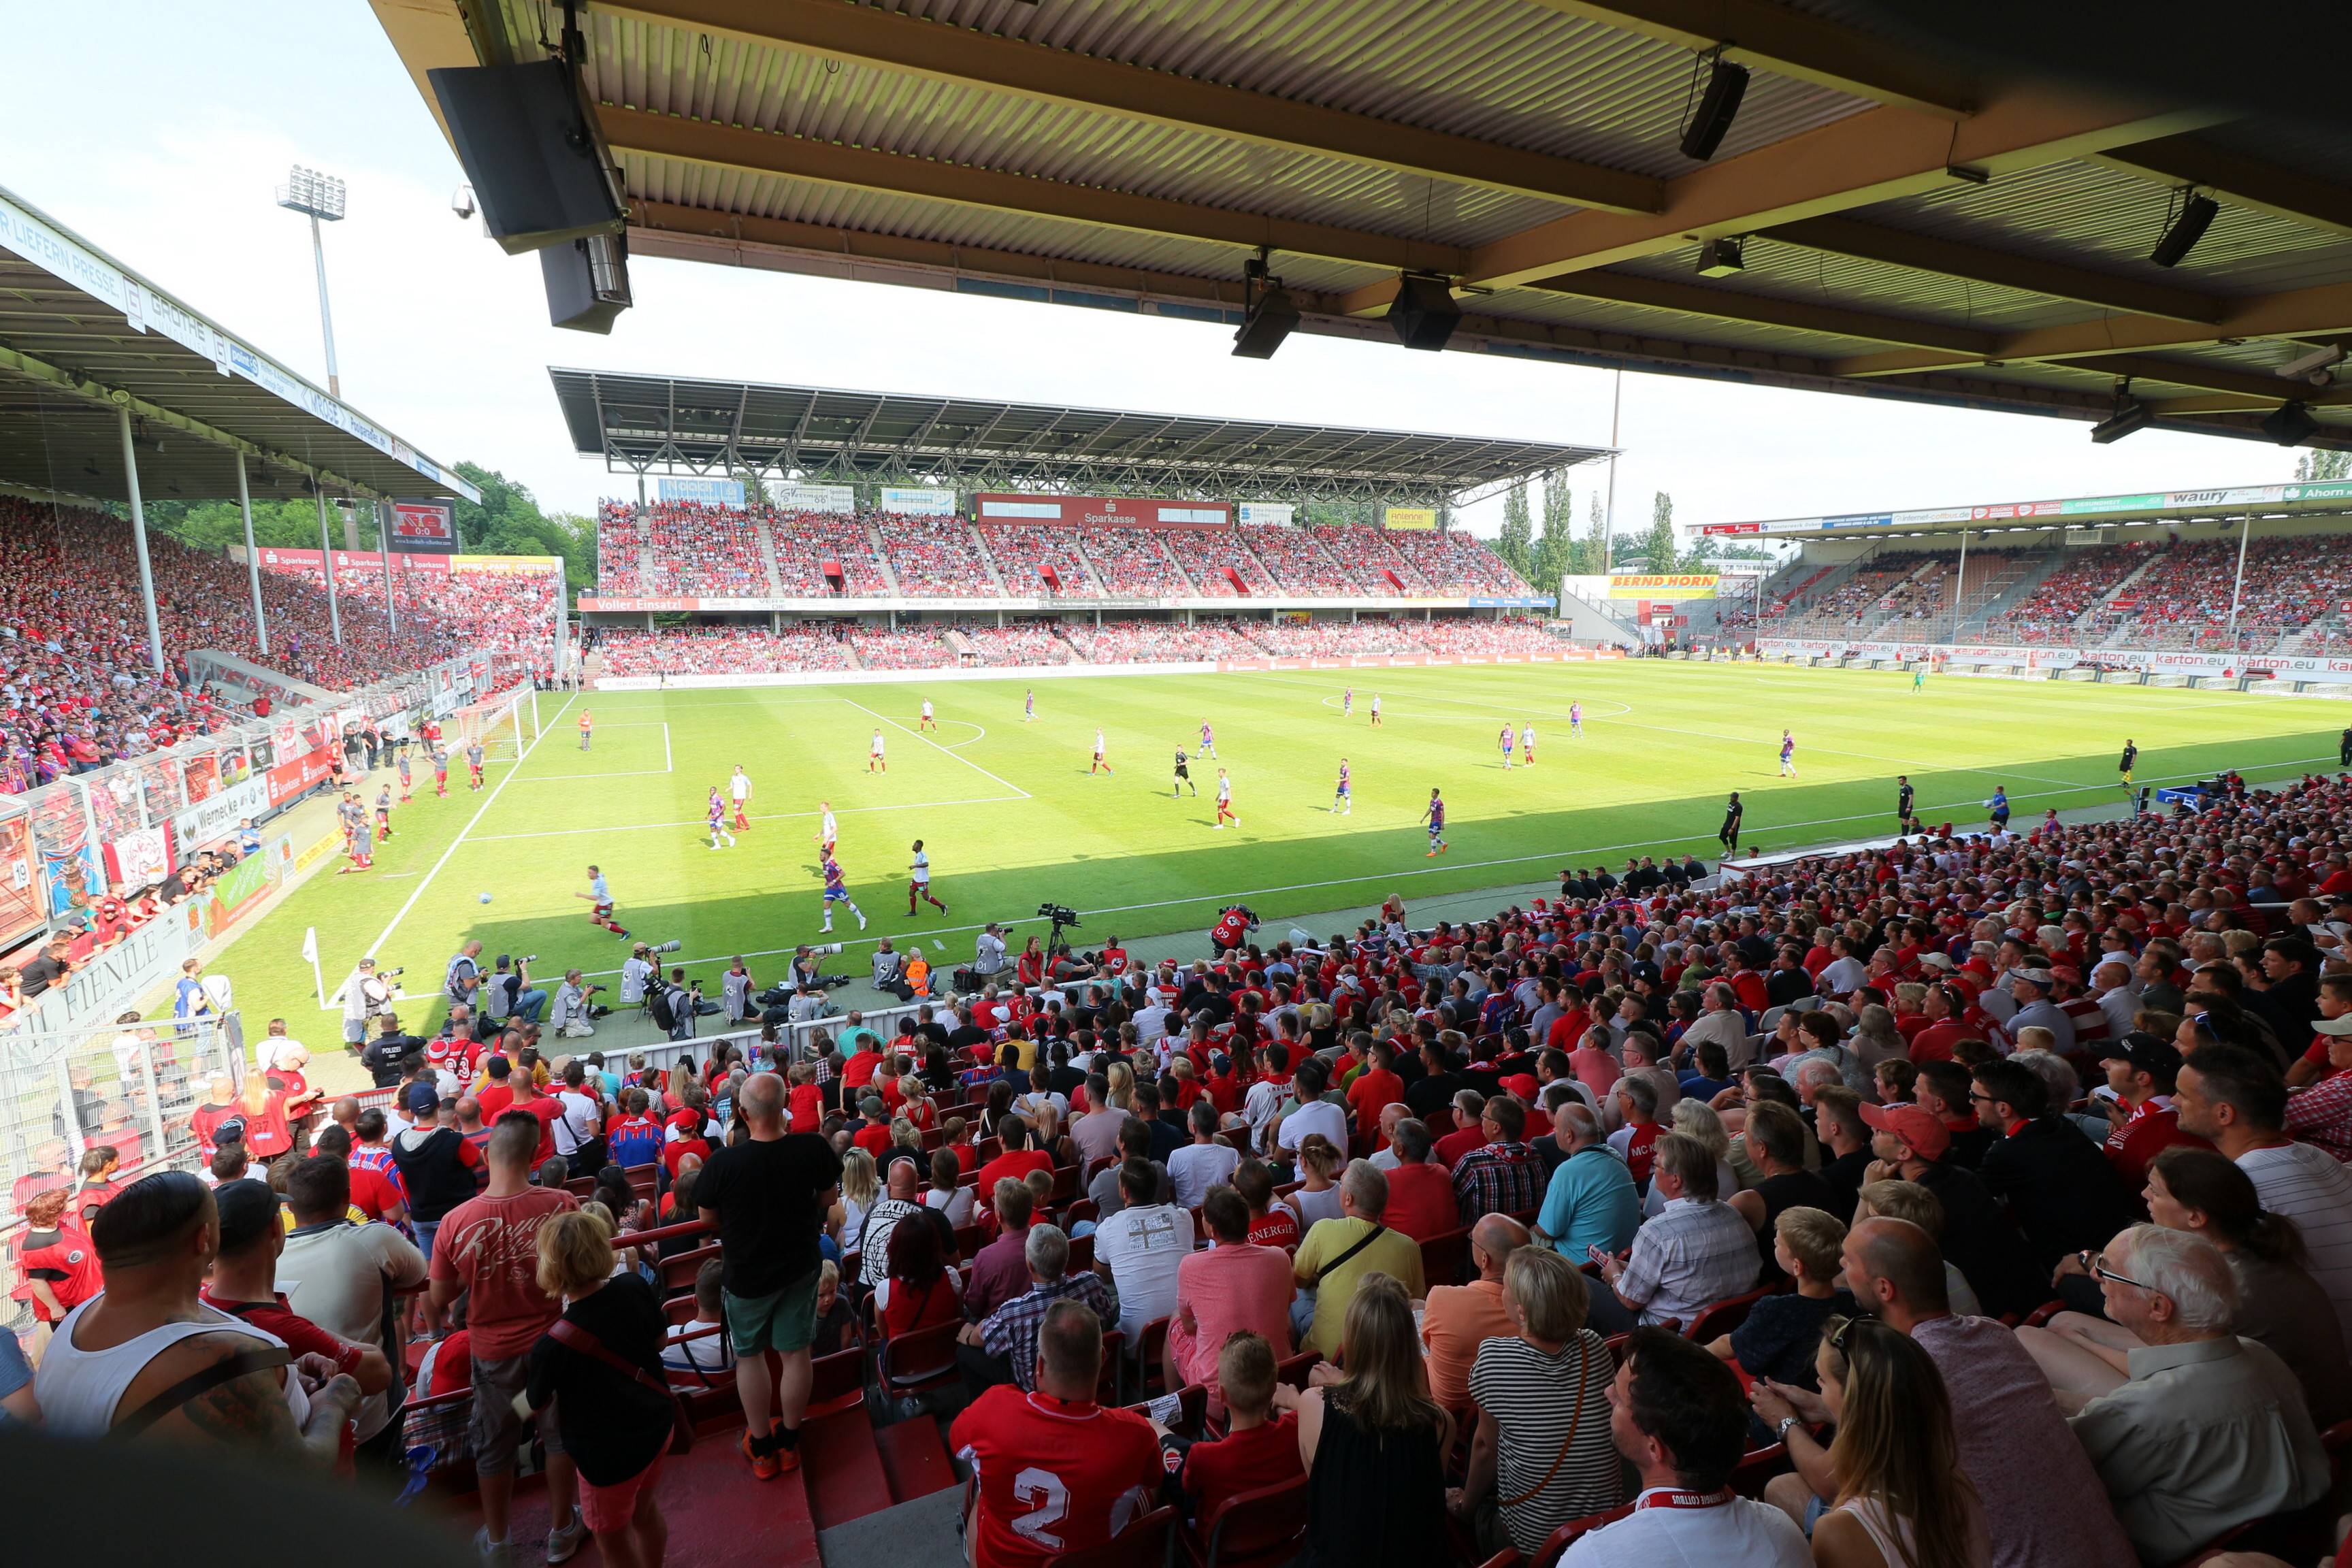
[1576, 1416]
[571, 1336]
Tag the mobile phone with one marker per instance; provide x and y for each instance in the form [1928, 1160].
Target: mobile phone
[1595, 1254]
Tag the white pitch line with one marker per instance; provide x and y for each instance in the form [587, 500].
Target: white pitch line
[496, 789]
[946, 751]
[755, 816]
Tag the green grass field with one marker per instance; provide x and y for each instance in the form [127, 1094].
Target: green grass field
[1011, 817]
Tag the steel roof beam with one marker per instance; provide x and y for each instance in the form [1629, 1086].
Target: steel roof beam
[967, 57]
[1951, 259]
[1767, 310]
[2297, 313]
[2236, 178]
[1786, 42]
[1876, 156]
[631, 131]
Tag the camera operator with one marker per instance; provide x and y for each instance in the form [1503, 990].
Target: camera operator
[367, 998]
[571, 1006]
[636, 972]
[807, 1006]
[509, 993]
[988, 952]
[890, 973]
[463, 981]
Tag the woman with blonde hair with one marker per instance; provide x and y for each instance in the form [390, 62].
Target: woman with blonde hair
[1373, 1444]
[600, 1363]
[1121, 1081]
[861, 1188]
[1320, 1161]
[1897, 1493]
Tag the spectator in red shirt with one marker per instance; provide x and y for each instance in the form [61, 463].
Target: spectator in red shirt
[2142, 1069]
[244, 1282]
[684, 1138]
[1272, 1224]
[497, 1094]
[488, 1250]
[874, 1137]
[1421, 1193]
[1258, 1449]
[1055, 1442]
[1467, 1135]
[1944, 1009]
[1018, 1158]
[1375, 1088]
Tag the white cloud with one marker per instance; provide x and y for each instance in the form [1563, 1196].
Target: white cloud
[444, 338]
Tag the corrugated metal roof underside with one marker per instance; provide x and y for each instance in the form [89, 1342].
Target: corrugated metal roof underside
[1796, 273]
[806, 427]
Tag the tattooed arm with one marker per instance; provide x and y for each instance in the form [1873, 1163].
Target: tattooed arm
[249, 1412]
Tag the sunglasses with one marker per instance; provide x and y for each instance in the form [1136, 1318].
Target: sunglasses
[1845, 1331]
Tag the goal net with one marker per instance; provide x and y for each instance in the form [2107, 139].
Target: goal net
[498, 723]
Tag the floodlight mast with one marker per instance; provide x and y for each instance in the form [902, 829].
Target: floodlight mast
[318, 197]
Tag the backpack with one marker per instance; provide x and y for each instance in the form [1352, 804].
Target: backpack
[659, 1004]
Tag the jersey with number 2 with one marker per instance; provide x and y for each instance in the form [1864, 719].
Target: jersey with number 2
[1054, 1477]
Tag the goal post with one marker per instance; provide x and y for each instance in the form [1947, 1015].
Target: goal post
[498, 723]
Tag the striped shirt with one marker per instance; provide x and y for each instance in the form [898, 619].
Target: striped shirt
[1695, 1254]
[2309, 1186]
[1531, 1397]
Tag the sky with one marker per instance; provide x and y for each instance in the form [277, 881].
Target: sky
[163, 144]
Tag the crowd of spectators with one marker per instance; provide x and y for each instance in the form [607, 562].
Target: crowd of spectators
[620, 550]
[1454, 563]
[1692, 1217]
[1301, 565]
[1333, 639]
[934, 557]
[1158, 642]
[910, 647]
[700, 550]
[1025, 552]
[504, 610]
[1018, 644]
[721, 650]
[2049, 614]
[808, 541]
[1472, 636]
[1135, 562]
[1369, 556]
[1219, 564]
[2184, 600]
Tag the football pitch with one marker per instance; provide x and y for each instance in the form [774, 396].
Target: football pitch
[1011, 817]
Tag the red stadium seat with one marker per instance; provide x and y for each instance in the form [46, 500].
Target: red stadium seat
[1146, 1543]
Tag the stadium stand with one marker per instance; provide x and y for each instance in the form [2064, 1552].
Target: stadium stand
[1372, 559]
[505, 609]
[1298, 564]
[1487, 640]
[620, 550]
[822, 554]
[1220, 565]
[74, 676]
[1038, 559]
[1149, 642]
[2182, 601]
[1016, 645]
[704, 552]
[1333, 639]
[2055, 610]
[935, 557]
[910, 648]
[1453, 562]
[1135, 561]
[723, 650]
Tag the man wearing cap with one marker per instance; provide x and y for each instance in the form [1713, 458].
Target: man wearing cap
[2322, 1114]
[1978, 1238]
[2142, 1069]
[2031, 988]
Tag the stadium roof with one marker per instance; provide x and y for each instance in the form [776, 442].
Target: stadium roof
[647, 422]
[82, 336]
[2289, 498]
[1918, 225]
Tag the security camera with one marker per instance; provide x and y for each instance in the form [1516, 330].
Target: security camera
[2313, 367]
[461, 202]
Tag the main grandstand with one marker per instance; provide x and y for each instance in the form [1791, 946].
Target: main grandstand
[928, 533]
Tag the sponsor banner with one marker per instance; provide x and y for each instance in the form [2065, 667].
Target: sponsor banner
[115, 977]
[424, 527]
[292, 777]
[654, 607]
[1420, 519]
[517, 565]
[1280, 513]
[2313, 492]
[448, 702]
[1722, 528]
[1663, 585]
[331, 840]
[1522, 602]
[711, 492]
[2161, 661]
[139, 860]
[216, 815]
[238, 891]
[840, 498]
[1103, 512]
[347, 563]
[919, 502]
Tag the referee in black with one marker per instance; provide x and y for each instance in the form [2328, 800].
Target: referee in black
[1184, 774]
[1732, 812]
[1903, 798]
[2124, 765]
[2344, 750]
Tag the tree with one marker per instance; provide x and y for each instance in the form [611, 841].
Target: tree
[2324, 466]
[507, 521]
[1659, 548]
[1596, 537]
[1515, 544]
